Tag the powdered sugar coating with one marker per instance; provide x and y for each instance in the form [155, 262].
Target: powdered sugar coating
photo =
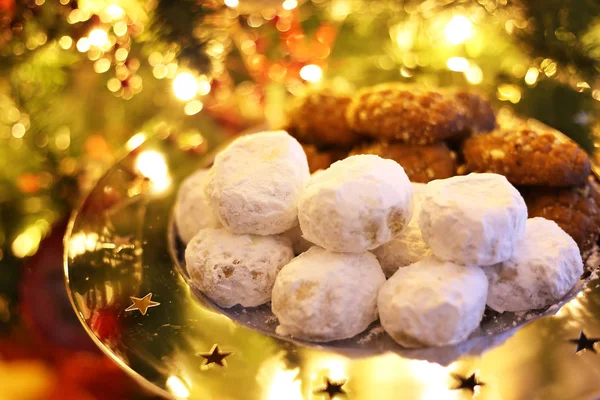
[432, 303]
[355, 205]
[236, 269]
[192, 210]
[475, 219]
[408, 247]
[545, 265]
[323, 296]
[255, 183]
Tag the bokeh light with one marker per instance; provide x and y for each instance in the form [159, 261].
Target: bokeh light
[311, 72]
[185, 86]
[458, 30]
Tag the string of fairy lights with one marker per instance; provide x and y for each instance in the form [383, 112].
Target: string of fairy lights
[466, 41]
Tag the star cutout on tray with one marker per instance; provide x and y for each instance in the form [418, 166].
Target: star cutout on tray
[142, 304]
[332, 389]
[215, 356]
[469, 383]
[584, 343]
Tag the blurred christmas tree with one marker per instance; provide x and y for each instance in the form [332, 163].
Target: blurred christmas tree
[82, 80]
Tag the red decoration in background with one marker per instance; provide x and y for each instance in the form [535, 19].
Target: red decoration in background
[53, 335]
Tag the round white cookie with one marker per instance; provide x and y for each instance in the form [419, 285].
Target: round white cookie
[475, 219]
[357, 204]
[192, 210]
[255, 183]
[236, 269]
[408, 247]
[545, 265]
[432, 303]
[324, 296]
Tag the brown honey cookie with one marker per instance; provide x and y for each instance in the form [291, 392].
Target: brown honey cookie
[528, 153]
[395, 111]
[576, 210]
[321, 159]
[319, 118]
[421, 163]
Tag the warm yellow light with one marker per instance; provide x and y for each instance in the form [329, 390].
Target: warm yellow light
[80, 243]
[65, 42]
[178, 387]
[160, 71]
[204, 88]
[232, 3]
[404, 34]
[114, 11]
[113, 84]
[26, 244]
[458, 64]
[508, 92]
[152, 165]
[193, 107]
[155, 58]
[102, 65]
[311, 72]
[98, 37]
[83, 44]
[474, 74]
[289, 4]
[284, 385]
[185, 86]
[340, 9]
[121, 54]
[458, 30]
[531, 76]
[135, 141]
[120, 28]
[18, 130]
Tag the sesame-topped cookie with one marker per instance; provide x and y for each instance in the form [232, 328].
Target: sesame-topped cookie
[576, 210]
[528, 153]
[421, 163]
[319, 118]
[412, 114]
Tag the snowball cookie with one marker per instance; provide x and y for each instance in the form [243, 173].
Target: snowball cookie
[545, 265]
[192, 210]
[475, 219]
[299, 244]
[408, 247]
[323, 296]
[255, 183]
[355, 205]
[432, 303]
[236, 269]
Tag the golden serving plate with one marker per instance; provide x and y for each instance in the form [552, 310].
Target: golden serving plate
[123, 278]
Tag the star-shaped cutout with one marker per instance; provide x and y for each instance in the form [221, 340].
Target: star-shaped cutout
[584, 343]
[215, 356]
[332, 389]
[467, 383]
[142, 304]
[122, 243]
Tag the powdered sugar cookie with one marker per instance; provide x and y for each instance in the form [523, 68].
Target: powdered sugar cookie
[475, 219]
[255, 183]
[325, 296]
[192, 210]
[236, 269]
[545, 265]
[432, 303]
[356, 204]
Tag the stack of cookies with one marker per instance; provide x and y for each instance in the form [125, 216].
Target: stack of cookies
[436, 134]
[551, 171]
